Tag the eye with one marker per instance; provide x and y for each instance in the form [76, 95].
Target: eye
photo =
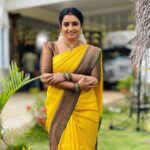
[75, 23]
[66, 24]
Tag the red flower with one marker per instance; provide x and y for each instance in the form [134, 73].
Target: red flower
[28, 107]
[43, 121]
[43, 110]
[38, 119]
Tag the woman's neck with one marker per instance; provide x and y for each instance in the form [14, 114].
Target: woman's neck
[70, 43]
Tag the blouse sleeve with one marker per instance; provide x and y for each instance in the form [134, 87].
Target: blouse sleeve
[46, 59]
[96, 70]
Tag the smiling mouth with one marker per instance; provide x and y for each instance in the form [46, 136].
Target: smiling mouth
[71, 33]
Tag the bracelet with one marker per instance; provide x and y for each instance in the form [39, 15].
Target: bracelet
[67, 76]
[70, 76]
[77, 87]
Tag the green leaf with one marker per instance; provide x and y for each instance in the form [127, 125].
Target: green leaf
[11, 83]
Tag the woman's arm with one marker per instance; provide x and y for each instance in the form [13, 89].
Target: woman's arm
[46, 59]
[83, 82]
[58, 78]
[66, 85]
[94, 78]
[77, 77]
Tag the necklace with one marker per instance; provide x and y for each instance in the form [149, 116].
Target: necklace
[71, 46]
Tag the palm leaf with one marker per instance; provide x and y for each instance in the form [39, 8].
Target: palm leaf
[11, 83]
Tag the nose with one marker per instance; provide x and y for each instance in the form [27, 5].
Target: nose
[70, 26]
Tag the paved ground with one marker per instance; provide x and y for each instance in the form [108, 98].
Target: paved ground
[15, 114]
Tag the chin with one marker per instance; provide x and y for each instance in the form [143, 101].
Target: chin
[72, 37]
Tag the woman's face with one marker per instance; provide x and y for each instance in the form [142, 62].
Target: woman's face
[71, 27]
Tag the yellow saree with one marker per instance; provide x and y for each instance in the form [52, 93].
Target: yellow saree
[81, 129]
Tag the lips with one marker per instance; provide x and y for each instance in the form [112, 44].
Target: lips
[71, 33]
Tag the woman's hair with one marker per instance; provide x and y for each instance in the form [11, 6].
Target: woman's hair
[73, 11]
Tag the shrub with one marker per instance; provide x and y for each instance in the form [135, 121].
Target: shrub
[38, 110]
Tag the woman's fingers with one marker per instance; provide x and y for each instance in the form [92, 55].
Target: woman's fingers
[50, 78]
[80, 81]
[92, 86]
[45, 77]
[90, 82]
[52, 82]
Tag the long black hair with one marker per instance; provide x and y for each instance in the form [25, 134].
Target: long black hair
[71, 10]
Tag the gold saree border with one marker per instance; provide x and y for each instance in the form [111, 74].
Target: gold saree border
[70, 98]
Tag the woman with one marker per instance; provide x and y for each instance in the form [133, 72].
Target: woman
[73, 71]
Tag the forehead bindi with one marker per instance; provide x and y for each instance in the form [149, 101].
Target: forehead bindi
[70, 18]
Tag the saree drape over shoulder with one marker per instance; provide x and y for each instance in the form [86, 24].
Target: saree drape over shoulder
[73, 117]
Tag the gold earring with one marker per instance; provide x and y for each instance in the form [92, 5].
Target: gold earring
[60, 36]
[82, 37]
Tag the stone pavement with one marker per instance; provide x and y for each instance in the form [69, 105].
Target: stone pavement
[15, 114]
[109, 97]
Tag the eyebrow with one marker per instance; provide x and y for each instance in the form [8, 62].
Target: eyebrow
[70, 21]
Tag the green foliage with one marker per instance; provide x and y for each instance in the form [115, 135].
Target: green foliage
[126, 83]
[14, 81]
[36, 138]
[38, 110]
[18, 147]
[10, 84]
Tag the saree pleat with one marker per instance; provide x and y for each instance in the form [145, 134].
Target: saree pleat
[82, 127]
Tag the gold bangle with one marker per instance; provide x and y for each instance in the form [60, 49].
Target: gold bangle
[67, 76]
[77, 87]
[64, 76]
[70, 76]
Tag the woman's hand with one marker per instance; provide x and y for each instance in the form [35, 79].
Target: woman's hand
[46, 77]
[52, 78]
[85, 84]
[56, 78]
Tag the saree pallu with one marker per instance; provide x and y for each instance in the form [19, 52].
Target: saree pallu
[73, 117]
